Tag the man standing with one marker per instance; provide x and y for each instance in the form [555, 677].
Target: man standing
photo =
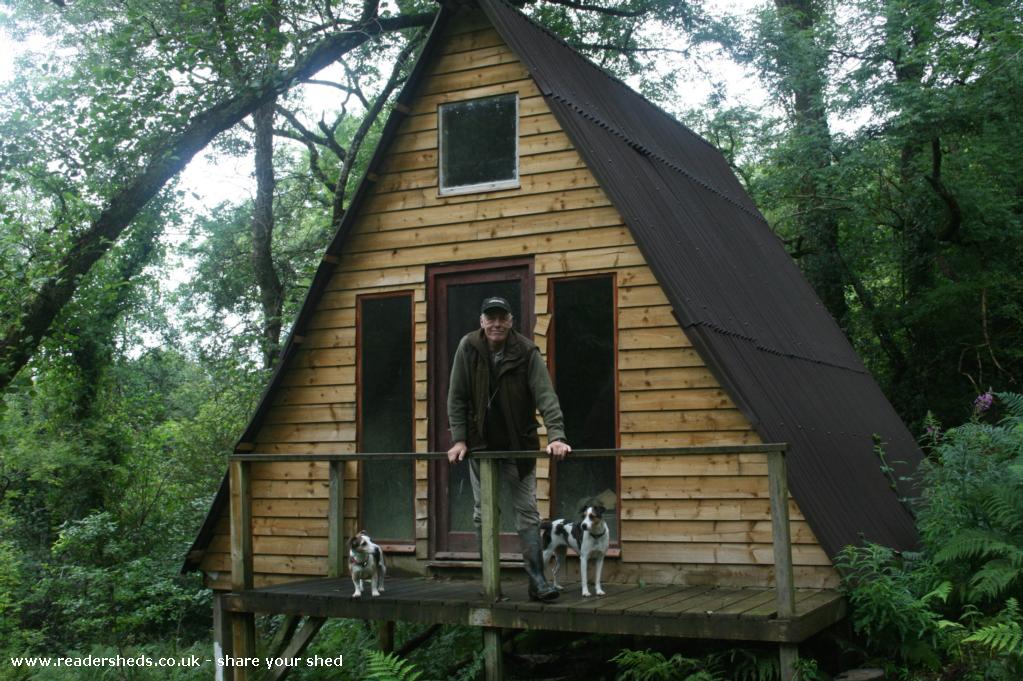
[498, 381]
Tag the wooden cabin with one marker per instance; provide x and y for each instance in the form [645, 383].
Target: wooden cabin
[669, 315]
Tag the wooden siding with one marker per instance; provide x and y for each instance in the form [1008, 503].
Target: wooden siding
[700, 520]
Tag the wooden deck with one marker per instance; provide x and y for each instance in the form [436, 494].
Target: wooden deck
[748, 614]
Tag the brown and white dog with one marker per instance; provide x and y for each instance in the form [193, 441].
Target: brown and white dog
[366, 561]
[587, 536]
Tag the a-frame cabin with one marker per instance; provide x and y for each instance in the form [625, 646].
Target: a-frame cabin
[669, 314]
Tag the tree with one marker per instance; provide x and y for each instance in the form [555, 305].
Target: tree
[793, 44]
[176, 128]
[148, 89]
[912, 216]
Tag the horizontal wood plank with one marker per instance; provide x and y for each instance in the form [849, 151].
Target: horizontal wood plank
[695, 487]
[710, 464]
[702, 509]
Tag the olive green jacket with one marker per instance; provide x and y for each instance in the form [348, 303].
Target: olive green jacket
[522, 386]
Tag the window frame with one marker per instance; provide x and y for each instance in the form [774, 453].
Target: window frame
[479, 187]
[389, 545]
[615, 545]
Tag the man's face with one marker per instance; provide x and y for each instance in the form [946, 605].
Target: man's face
[496, 324]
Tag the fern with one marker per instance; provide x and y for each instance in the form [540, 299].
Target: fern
[390, 667]
[1013, 403]
[1003, 507]
[646, 665]
[974, 543]
[745, 664]
[1003, 636]
[994, 579]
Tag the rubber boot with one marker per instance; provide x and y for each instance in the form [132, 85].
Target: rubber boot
[532, 556]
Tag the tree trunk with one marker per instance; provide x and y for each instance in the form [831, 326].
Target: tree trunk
[271, 291]
[817, 223]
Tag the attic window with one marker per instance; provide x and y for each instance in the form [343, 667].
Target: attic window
[479, 145]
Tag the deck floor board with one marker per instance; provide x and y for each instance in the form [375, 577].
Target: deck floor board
[662, 610]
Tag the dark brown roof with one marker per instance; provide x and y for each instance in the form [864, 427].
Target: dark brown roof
[737, 294]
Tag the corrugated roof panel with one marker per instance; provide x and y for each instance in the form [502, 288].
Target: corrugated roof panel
[739, 295]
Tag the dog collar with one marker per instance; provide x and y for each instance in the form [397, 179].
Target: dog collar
[351, 559]
[598, 536]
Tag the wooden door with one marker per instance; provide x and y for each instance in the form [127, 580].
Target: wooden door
[455, 293]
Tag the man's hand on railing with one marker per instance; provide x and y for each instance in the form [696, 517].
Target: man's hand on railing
[558, 449]
[457, 452]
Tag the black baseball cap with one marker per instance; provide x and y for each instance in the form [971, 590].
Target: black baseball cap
[495, 302]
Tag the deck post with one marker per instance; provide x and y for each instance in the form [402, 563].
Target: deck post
[222, 636]
[490, 555]
[490, 552]
[781, 539]
[335, 521]
[385, 636]
[243, 624]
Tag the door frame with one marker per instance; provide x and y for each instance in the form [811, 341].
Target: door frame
[438, 278]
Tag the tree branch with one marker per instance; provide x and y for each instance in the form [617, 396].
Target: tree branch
[950, 231]
[622, 49]
[366, 125]
[41, 306]
[609, 11]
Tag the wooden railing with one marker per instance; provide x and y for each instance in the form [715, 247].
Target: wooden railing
[241, 519]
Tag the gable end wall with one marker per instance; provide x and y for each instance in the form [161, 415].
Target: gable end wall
[691, 520]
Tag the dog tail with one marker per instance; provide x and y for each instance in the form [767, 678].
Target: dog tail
[545, 534]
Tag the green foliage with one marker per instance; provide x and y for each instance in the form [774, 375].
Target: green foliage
[884, 133]
[647, 665]
[892, 602]
[390, 667]
[1002, 635]
[971, 516]
[98, 588]
[957, 602]
[734, 664]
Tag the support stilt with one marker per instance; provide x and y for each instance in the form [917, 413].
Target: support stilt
[493, 659]
[788, 655]
[385, 636]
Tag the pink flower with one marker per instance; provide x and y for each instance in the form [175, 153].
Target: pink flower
[983, 402]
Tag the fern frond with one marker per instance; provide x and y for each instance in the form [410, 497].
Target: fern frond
[974, 543]
[993, 579]
[390, 667]
[1002, 638]
[1013, 403]
[1003, 635]
[1004, 508]
[940, 592]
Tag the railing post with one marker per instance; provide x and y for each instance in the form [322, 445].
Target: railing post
[781, 539]
[243, 624]
[490, 554]
[335, 521]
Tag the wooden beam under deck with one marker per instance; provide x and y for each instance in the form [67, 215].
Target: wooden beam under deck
[741, 614]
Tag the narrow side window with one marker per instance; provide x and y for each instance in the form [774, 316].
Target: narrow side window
[386, 394]
[583, 364]
[479, 141]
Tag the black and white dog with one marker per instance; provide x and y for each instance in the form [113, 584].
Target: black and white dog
[366, 561]
[587, 536]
